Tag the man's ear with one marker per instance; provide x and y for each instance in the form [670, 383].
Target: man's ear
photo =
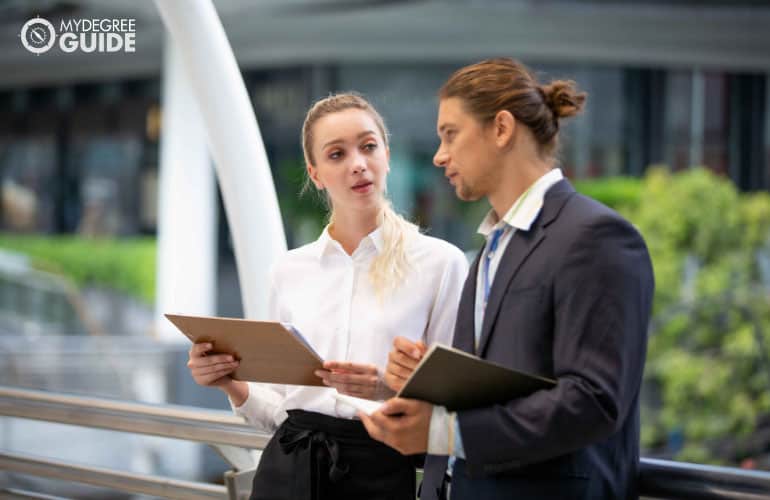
[312, 172]
[505, 128]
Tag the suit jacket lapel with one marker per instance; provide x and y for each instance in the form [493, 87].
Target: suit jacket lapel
[466, 311]
[522, 243]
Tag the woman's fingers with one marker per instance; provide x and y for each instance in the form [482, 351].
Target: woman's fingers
[347, 378]
[200, 349]
[208, 369]
[213, 376]
[205, 370]
[347, 366]
[202, 361]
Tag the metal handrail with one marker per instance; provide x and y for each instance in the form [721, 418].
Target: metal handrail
[116, 480]
[226, 433]
[680, 480]
[180, 422]
[657, 478]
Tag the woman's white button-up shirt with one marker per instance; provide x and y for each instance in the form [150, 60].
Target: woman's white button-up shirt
[327, 295]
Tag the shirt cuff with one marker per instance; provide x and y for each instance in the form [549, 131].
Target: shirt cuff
[459, 450]
[259, 407]
[440, 439]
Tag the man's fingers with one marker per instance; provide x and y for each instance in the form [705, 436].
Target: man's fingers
[400, 370]
[374, 431]
[395, 383]
[399, 406]
[399, 358]
[407, 347]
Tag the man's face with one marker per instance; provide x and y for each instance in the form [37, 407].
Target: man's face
[467, 151]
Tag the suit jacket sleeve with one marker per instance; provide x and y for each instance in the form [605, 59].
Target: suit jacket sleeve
[600, 298]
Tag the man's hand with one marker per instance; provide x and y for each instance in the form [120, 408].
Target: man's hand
[361, 381]
[402, 360]
[402, 424]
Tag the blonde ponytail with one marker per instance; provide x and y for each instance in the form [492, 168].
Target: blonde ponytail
[391, 267]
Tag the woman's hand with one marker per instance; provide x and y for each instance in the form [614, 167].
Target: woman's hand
[361, 381]
[402, 361]
[210, 370]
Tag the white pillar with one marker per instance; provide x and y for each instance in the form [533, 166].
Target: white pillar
[234, 141]
[187, 257]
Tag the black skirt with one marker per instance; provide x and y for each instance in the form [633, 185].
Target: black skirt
[317, 457]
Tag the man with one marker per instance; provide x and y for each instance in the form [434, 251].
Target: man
[563, 289]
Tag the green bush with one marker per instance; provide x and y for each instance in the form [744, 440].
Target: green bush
[620, 193]
[127, 264]
[707, 363]
[707, 374]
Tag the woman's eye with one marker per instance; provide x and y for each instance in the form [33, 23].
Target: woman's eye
[335, 155]
[370, 146]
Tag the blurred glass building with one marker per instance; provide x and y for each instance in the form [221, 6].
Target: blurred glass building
[679, 83]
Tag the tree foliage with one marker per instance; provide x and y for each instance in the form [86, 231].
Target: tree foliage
[706, 396]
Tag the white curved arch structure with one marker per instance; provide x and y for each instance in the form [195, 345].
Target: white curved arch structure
[234, 141]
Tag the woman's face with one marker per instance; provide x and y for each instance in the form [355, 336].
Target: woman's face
[350, 159]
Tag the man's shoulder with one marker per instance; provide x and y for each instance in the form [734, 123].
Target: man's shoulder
[582, 211]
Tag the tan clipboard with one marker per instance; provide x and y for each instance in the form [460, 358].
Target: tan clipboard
[267, 351]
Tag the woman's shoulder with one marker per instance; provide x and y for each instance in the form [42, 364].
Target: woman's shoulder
[292, 260]
[432, 249]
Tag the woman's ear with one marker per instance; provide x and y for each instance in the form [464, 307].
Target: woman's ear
[505, 128]
[312, 172]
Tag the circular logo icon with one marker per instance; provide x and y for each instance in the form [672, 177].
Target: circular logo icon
[38, 35]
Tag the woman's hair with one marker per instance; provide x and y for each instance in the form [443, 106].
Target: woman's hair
[494, 85]
[390, 267]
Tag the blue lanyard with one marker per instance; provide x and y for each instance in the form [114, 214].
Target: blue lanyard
[496, 234]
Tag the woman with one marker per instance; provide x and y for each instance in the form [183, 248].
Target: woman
[370, 277]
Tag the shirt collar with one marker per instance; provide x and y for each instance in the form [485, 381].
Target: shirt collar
[325, 244]
[525, 210]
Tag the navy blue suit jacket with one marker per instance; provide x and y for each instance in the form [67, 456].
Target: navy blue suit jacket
[571, 301]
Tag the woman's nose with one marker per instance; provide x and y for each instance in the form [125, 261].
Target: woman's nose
[358, 163]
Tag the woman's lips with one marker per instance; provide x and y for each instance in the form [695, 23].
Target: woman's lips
[363, 187]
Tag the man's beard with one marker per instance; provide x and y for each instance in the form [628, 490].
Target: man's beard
[466, 192]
